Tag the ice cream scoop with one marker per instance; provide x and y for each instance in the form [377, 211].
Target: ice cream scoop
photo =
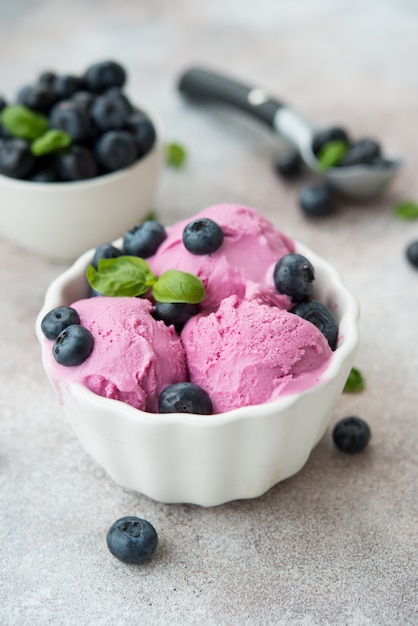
[357, 181]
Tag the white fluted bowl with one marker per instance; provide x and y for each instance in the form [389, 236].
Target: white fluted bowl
[208, 459]
[59, 221]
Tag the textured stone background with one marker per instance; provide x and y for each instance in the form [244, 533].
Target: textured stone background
[337, 543]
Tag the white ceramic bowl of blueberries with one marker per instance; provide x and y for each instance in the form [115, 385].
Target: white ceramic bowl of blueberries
[79, 162]
[206, 459]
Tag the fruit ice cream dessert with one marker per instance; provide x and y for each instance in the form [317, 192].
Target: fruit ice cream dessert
[205, 316]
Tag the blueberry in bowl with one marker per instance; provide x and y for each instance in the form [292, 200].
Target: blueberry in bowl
[210, 376]
[71, 148]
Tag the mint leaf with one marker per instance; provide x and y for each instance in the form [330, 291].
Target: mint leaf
[176, 286]
[406, 210]
[175, 155]
[151, 216]
[50, 141]
[122, 276]
[331, 154]
[355, 381]
[23, 122]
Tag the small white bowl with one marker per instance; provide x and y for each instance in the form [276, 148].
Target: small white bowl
[208, 459]
[59, 221]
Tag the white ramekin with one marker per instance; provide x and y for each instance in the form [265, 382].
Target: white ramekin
[208, 459]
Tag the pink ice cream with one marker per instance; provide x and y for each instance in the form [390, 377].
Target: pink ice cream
[134, 357]
[244, 263]
[249, 353]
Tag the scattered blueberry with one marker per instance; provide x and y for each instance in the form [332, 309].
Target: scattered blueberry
[143, 131]
[324, 136]
[176, 313]
[293, 275]
[132, 540]
[115, 149]
[363, 151]
[73, 345]
[144, 239]
[77, 163]
[103, 75]
[16, 159]
[71, 118]
[202, 236]
[316, 200]
[351, 434]
[288, 165]
[105, 251]
[184, 398]
[110, 110]
[56, 320]
[412, 253]
[320, 316]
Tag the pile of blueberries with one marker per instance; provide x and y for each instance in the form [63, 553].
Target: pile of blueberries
[107, 132]
[318, 199]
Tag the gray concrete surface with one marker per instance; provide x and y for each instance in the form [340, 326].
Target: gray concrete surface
[334, 545]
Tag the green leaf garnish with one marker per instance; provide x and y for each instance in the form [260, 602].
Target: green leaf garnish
[175, 155]
[122, 276]
[23, 122]
[355, 381]
[50, 141]
[132, 276]
[176, 286]
[151, 216]
[331, 154]
[406, 210]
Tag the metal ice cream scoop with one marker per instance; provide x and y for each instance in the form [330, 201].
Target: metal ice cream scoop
[356, 181]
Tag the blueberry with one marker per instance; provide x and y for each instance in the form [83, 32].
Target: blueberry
[105, 251]
[202, 236]
[316, 200]
[288, 165]
[184, 398]
[77, 163]
[66, 85]
[360, 152]
[73, 345]
[37, 97]
[47, 175]
[3, 103]
[70, 118]
[324, 136]
[321, 317]
[351, 434]
[103, 75]
[176, 313]
[115, 149]
[16, 159]
[143, 132]
[83, 99]
[56, 320]
[110, 111]
[293, 275]
[132, 540]
[46, 79]
[144, 239]
[5, 133]
[412, 253]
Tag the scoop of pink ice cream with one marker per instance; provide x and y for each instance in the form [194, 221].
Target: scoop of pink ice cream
[244, 263]
[134, 356]
[248, 353]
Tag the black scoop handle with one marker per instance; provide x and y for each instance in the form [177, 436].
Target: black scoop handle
[205, 85]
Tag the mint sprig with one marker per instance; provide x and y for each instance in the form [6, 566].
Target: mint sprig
[355, 381]
[132, 276]
[331, 154]
[175, 155]
[176, 286]
[50, 141]
[406, 210]
[24, 123]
